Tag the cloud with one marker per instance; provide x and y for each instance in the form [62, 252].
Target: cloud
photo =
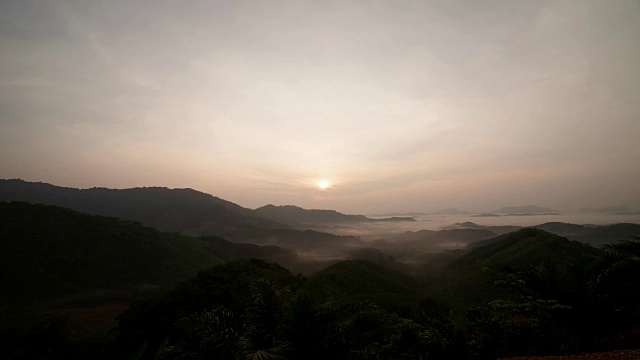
[403, 103]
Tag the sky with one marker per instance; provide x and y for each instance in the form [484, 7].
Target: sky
[393, 106]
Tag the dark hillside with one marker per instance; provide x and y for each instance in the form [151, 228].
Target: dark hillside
[149, 322]
[357, 280]
[564, 229]
[463, 281]
[49, 251]
[185, 210]
[606, 234]
[297, 215]
[304, 240]
[525, 247]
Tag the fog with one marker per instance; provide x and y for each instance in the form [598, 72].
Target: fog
[411, 245]
[441, 222]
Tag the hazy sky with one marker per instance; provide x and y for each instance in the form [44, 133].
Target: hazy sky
[400, 105]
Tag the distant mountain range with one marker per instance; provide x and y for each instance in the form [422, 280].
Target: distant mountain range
[595, 235]
[496, 229]
[504, 211]
[608, 209]
[56, 260]
[191, 212]
[300, 217]
[451, 211]
[49, 251]
[185, 210]
[194, 213]
[528, 209]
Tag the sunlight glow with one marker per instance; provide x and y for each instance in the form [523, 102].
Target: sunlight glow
[323, 184]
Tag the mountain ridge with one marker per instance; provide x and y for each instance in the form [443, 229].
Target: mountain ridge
[526, 209]
[298, 216]
[185, 210]
[51, 251]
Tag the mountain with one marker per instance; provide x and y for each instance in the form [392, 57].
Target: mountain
[299, 217]
[463, 283]
[185, 210]
[433, 241]
[564, 229]
[48, 251]
[608, 209]
[451, 211]
[497, 229]
[595, 235]
[441, 238]
[189, 212]
[525, 247]
[149, 321]
[408, 214]
[357, 280]
[300, 240]
[411, 247]
[600, 235]
[529, 209]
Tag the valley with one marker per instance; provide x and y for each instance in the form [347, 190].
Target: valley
[120, 254]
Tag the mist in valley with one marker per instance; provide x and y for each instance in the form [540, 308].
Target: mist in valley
[307, 179]
[411, 242]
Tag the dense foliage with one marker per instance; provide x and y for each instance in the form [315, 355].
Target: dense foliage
[51, 251]
[50, 254]
[528, 292]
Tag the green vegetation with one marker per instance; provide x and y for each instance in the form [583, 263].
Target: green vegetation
[57, 256]
[358, 280]
[525, 247]
[52, 251]
[528, 292]
[463, 282]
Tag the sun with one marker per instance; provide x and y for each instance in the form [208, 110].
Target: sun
[323, 184]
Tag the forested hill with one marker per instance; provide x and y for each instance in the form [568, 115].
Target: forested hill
[463, 282]
[185, 210]
[49, 251]
[358, 280]
[595, 235]
[552, 296]
[526, 247]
